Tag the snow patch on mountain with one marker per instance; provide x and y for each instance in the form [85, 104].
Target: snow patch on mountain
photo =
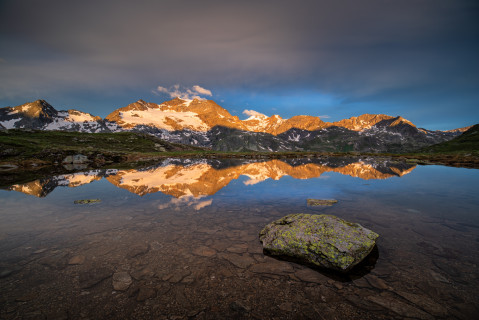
[9, 124]
[169, 120]
[80, 117]
[294, 137]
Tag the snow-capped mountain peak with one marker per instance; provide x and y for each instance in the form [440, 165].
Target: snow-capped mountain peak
[42, 116]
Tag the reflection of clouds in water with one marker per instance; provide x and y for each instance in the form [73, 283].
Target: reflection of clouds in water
[251, 182]
[188, 201]
[203, 204]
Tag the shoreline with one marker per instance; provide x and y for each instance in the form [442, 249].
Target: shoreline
[106, 159]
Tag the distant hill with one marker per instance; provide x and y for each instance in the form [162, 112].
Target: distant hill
[466, 142]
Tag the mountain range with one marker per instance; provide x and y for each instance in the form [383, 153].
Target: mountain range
[206, 124]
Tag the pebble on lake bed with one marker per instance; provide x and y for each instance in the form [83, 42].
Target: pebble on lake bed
[76, 260]
[121, 281]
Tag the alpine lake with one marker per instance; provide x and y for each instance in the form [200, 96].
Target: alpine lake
[179, 240]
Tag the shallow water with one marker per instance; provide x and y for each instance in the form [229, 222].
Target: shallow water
[186, 233]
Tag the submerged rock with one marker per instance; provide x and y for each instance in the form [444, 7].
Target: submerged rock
[204, 251]
[320, 202]
[76, 260]
[86, 201]
[121, 281]
[322, 240]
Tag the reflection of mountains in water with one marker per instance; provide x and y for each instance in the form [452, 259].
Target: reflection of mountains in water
[184, 177]
[42, 187]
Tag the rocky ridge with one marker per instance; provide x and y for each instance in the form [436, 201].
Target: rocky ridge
[203, 115]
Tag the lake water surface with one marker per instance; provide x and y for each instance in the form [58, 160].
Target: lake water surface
[180, 241]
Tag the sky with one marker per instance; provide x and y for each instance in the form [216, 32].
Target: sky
[334, 59]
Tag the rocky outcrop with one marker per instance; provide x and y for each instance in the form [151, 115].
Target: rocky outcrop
[76, 159]
[366, 121]
[464, 129]
[322, 240]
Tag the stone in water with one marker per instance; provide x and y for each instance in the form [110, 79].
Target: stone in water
[86, 201]
[322, 240]
[320, 202]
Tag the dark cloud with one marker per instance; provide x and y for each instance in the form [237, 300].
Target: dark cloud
[356, 50]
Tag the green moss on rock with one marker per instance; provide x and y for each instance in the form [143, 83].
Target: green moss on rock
[322, 240]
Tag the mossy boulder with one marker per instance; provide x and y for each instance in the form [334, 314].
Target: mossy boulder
[322, 240]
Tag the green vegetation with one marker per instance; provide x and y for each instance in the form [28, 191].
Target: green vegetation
[32, 142]
[51, 146]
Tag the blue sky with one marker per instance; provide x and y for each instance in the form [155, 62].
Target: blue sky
[334, 59]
